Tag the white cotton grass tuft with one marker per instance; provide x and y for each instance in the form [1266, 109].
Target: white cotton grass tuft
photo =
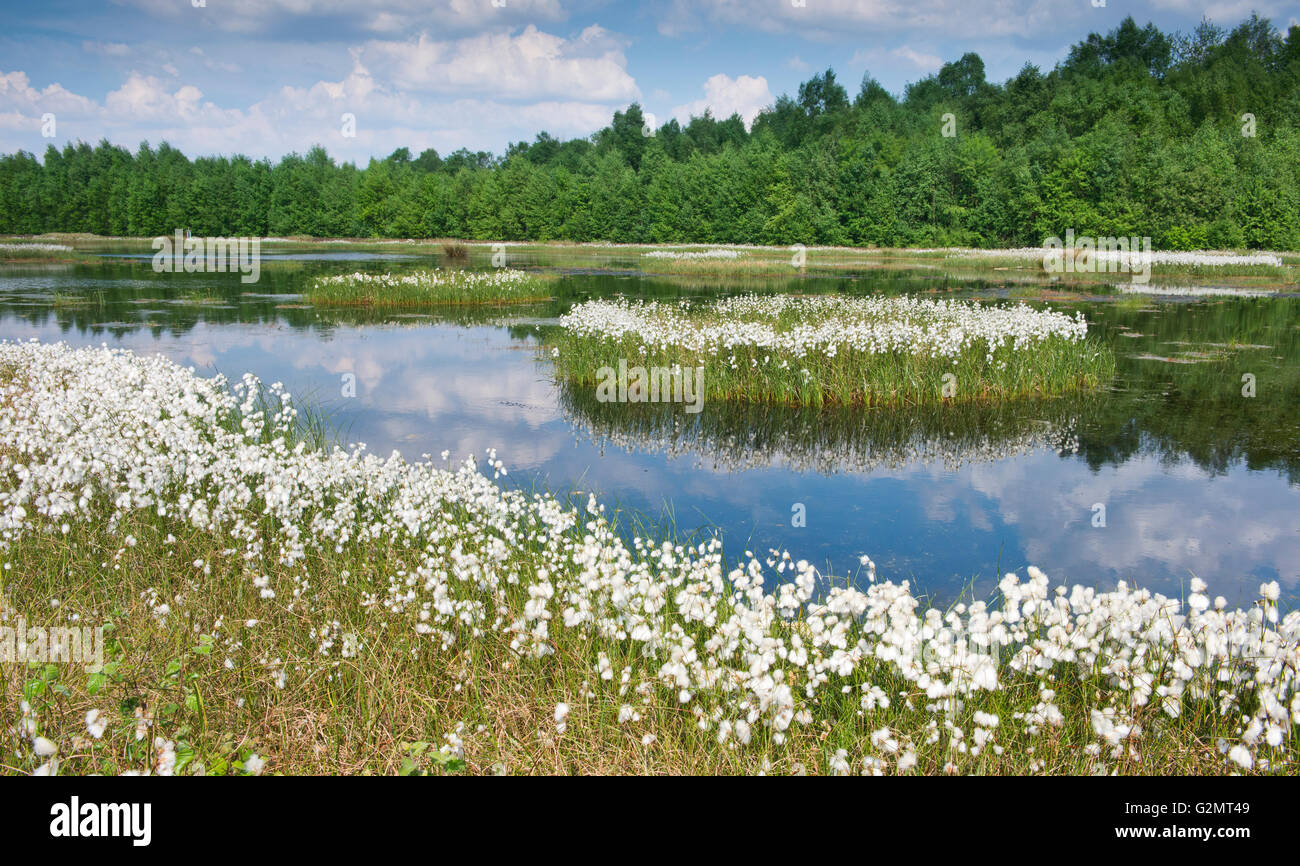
[685, 255]
[827, 324]
[561, 717]
[1188, 258]
[432, 284]
[45, 248]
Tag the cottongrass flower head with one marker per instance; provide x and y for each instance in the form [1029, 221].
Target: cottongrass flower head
[96, 723]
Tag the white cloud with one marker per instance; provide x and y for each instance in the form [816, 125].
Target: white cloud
[824, 19]
[916, 61]
[215, 65]
[17, 95]
[1225, 12]
[925, 62]
[1156, 522]
[478, 92]
[145, 98]
[723, 96]
[374, 16]
[288, 119]
[530, 64]
[108, 49]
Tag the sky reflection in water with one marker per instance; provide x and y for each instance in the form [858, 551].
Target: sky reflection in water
[941, 500]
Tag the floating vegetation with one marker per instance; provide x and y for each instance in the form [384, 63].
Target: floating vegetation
[1168, 258]
[38, 252]
[1182, 359]
[428, 287]
[34, 249]
[818, 350]
[1192, 291]
[686, 255]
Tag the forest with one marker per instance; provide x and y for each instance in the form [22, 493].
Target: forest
[1190, 139]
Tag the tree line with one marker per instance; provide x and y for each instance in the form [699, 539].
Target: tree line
[1191, 139]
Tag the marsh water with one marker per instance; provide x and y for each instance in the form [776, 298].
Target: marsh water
[1173, 471]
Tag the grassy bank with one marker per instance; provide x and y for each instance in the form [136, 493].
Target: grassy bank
[272, 607]
[426, 288]
[832, 350]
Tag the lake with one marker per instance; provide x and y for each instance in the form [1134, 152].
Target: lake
[1173, 471]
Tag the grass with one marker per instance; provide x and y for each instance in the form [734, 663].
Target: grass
[427, 288]
[199, 297]
[793, 375]
[209, 677]
[65, 300]
[388, 708]
[22, 252]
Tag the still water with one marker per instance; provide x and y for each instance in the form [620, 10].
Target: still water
[1171, 472]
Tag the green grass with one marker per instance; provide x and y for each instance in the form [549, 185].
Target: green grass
[64, 300]
[752, 374]
[388, 708]
[427, 288]
[23, 252]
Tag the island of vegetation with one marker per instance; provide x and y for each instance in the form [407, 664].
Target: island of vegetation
[833, 350]
[427, 288]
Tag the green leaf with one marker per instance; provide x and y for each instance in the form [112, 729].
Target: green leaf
[184, 754]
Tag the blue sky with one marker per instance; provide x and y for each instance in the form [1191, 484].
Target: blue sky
[265, 77]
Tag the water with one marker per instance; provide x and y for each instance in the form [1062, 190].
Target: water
[1194, 477]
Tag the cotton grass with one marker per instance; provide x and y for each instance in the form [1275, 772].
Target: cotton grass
[828, 349]
[411, 601]
[427, 287]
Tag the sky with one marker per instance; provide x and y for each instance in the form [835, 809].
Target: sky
[269, 77]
